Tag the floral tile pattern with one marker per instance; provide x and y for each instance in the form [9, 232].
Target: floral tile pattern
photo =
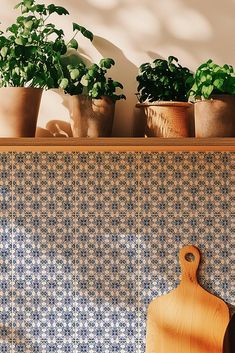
[5, 252]
[43, 233]
[88, 239]
[106, 252]
[106, 183]
[186, 198]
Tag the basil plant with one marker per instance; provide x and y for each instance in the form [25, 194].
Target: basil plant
[31, 49]
[92, 81]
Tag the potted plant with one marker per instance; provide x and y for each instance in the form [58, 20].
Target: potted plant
[30, 61]
[92, 98]
[214, 92]
[162, 93]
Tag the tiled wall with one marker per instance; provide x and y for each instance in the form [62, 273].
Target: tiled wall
[88, 239]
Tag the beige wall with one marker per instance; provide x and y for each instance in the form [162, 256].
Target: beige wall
[134, 31]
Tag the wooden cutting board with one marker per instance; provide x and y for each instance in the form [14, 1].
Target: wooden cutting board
[188, 319]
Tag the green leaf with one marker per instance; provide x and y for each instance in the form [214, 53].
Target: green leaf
[25, 9]
[73, 44]
[57, 9]
[84, 81]
[64, 83]
[74, 74]
[20, 19]
[203, 78]
[218, 83]
[117, 84]
[83, 30]
[59, 32]
[4, 51]
[97, 85]
[59, 46]
[28, 24]
[28, 3]
[107, 63]
[228, 68]
[94, 93]
[3, 41]
[40, 8]
[189, 81]
[207, 90]
[171, 59]
[17, 70]
[144, 67]
[13, 29]
[21, 41]
[93, 70]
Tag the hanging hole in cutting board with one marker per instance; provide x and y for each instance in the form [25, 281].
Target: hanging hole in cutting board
[189, 257]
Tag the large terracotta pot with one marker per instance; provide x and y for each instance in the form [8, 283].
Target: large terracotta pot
[19, 107]
[215, 117]
[167, 119]
[91, 117]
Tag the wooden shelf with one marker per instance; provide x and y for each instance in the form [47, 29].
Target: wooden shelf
[117, 144]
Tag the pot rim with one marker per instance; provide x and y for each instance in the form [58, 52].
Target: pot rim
[23, 88]
[215, 97]
[164, 104]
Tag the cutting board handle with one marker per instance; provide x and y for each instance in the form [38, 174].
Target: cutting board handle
[189, 258]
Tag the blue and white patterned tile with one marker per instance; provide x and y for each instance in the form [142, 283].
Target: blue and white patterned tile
[77, 257]
[106, 253]
[106, 182]
[5, 252]
[43, 251]
[185, 198]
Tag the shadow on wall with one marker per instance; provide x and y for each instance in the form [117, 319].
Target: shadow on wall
[55, 128]
[125, 72]
[193, 27]
[134, 31]
[190, 30]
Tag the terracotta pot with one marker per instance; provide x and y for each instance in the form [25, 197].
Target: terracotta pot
[91, 117]
[215, 117]
[167, 119]
[19, 107]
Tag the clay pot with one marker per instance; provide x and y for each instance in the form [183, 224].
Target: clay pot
[19, 107]
[91, 117]
[167, 119]
[215, 117]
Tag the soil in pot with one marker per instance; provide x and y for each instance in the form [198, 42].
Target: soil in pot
[91, 117]
[167, 119]
[19, 107]
[215, 117]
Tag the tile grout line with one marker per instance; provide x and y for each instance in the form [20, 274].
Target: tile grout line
[11, 336]
[138, 249]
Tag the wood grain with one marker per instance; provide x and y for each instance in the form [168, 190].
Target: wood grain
[123, 144]
[188, 319]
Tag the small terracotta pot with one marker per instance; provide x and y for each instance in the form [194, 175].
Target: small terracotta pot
[19, 107]
[167, 119]
[215, 117]
[91, 117]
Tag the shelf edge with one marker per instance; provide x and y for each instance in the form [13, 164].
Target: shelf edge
[117, 144]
